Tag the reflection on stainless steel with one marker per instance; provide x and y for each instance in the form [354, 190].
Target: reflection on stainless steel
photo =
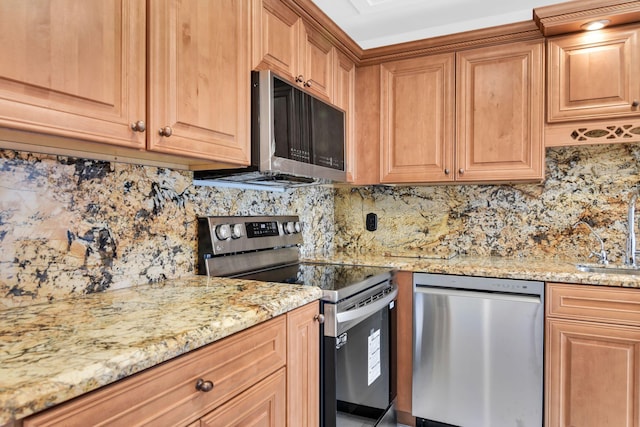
[609, 269]
[478, 351]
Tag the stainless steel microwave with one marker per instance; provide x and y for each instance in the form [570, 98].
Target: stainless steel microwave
[296, 138]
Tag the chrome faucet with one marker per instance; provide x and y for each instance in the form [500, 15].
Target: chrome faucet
[630, 258]
[602, 255]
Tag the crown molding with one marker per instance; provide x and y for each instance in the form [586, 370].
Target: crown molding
[568, 17]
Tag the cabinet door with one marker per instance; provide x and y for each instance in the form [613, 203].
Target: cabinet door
[303, 366]
[593, 374]
[74, 68]
[499, 113]
[344, 86]
[417, 119]
[275, 41]
[263, 405]
[315, 71]
[199, 89]
[594, 75]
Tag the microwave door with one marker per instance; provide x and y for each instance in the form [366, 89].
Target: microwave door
[326, 129]
[287, 131]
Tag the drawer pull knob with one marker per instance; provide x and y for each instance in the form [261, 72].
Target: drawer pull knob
[166, 131]
[319, 318]
[138, 126]
[635, 103]
[205, 386]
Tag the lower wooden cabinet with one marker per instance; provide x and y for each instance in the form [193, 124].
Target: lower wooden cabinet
[592, 356]
[262, 405]
[267, 375]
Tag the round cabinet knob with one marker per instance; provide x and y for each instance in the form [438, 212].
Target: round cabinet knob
[138, 126]
[319, 318]
[307, 84]
[292, 227]
[635, 103]
[223, 231]
[205, 386]
[461, 171]
[447, 171]
[166, 131]
[237, 231]
[300, 78]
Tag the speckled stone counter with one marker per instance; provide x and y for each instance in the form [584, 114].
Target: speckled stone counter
[547, 270]
[50, 353]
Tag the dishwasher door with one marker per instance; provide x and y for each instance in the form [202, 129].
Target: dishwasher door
[478, 351]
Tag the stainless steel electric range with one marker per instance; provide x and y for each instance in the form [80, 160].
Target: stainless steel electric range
[357, 341]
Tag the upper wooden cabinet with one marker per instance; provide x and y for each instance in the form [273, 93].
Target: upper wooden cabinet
[283, 43]
[493, 134]
[74, 68]
[78, 70]
[199, 79]
[594, 75]
[499, 113]
[417, 126]
[344, 87]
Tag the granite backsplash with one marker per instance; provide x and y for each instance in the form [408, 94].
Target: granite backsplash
[589, 183]
[69, 227]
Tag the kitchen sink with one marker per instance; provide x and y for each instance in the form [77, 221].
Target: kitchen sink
[609, 269]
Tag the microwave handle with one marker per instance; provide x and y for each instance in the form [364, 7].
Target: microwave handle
[367, 310]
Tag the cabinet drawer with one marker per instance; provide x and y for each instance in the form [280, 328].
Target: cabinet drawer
[167, 395]
[594, 303]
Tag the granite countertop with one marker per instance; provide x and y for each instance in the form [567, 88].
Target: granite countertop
[52, 352]
[542, 269]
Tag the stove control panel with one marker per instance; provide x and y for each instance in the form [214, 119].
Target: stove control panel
[223, 235]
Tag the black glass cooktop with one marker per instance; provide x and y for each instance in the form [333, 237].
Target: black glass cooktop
[337, 280]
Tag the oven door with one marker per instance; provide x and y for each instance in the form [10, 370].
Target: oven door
[359, 364]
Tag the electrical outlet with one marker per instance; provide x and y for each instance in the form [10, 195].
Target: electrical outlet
[372, 221]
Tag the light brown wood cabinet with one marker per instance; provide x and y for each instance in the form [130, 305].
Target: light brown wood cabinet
[592, 356]
[344, 86]
[489, 128]
[74, 69]
[594, 75]
[283, 43]
[78, 70]
[199, 81]
[417, 127]
[265, 375]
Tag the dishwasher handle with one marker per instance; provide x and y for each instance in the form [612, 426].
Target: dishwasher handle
[367, 310]
[533, 299]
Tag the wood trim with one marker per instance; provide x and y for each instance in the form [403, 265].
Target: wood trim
[317, 19]
[405, 344]
[366, 160]
[73, 147]
[592, 132]
[567, 17]
[519, 31]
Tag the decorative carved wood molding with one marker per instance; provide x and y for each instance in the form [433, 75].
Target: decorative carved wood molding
[568, 17]
[594, 132]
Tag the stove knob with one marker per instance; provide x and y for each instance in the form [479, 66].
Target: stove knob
[237, 231]
[297, 226]
[223, 231]
[289, 227]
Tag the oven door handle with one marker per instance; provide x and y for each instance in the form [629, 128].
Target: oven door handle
[367, 310]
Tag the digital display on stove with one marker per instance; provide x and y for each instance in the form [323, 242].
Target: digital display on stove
[261, 229]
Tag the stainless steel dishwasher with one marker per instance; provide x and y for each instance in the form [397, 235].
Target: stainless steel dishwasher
[477, 351]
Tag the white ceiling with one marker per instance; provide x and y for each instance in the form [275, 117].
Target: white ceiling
[374, 23]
